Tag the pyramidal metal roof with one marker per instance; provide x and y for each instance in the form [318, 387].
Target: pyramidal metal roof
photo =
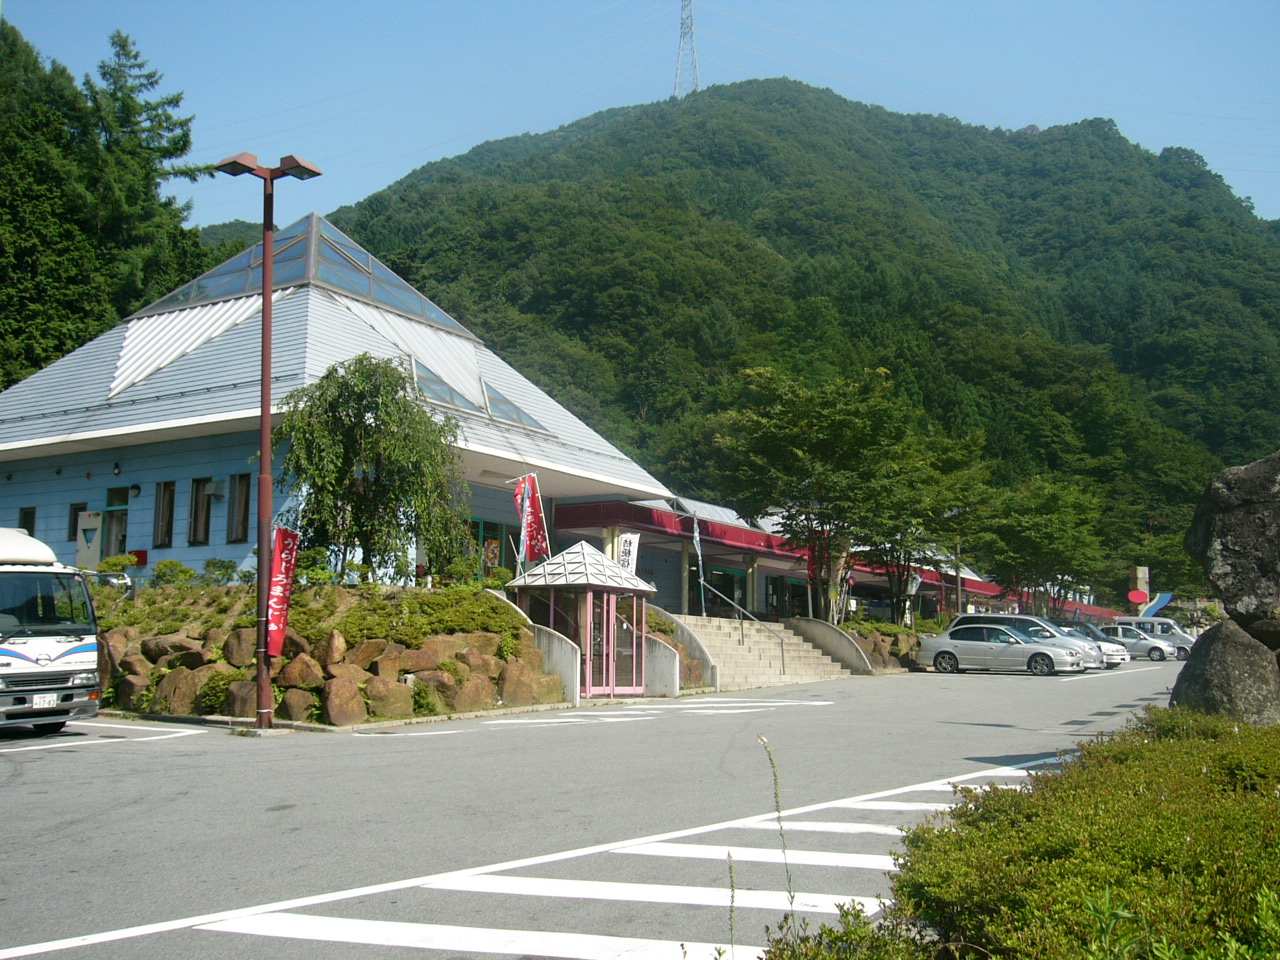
[582, 565]
[310, 251]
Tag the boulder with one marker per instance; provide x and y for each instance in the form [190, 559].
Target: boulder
[443, 682]
[176, 693]
[1230, 673]
[481, 663]
[240, 649]
[129, 691]
[127, 634]
[413, 661]
[388, 662]
[301, 671]
[191, 659]
[214, 638]
[1267, 632]
[531, 655]
[365, 653]
[444, 647]
[1235, 535]
[515, 685]
[477, 693]
[115, 642]
[548, 688]
[388, 699]
[330, 650]
[241, 700]
[298, 705]
[347, 671]
[136, 665]
[342, 703]
[294, 644]
[156, 648]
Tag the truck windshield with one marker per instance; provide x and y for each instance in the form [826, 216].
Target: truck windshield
[44, 602]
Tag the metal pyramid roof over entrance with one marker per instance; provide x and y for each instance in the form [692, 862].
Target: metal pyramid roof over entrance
[582, 565]
[310, 251]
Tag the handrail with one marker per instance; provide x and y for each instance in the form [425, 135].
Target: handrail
[782, 648]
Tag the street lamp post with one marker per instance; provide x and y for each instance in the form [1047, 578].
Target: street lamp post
[290, 166]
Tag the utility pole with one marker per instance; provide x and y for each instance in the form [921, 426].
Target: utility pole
[687, 61]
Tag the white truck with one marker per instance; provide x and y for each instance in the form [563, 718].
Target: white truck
[48, 638]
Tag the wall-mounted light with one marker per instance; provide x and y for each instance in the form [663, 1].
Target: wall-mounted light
[116, 469]
[135, 490]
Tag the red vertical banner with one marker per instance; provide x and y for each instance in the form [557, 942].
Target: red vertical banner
[284, 560]
[533, 526]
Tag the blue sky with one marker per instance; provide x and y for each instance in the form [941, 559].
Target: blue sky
[369, 90]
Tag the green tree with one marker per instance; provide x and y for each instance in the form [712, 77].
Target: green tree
[373, 469]
[1042, 539]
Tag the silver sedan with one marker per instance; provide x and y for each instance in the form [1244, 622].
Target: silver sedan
[1140, 644]
[989, 647]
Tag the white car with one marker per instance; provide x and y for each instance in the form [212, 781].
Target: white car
[1113, 651]
[993, 647]
[1140, 644]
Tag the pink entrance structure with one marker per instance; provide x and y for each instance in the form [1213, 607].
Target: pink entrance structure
[600, 606]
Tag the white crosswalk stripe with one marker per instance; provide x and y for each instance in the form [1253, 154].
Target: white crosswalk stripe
[847, 857]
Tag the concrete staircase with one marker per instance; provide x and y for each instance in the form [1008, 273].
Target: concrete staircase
[748, 655]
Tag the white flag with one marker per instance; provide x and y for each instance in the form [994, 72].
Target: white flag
[628, 547]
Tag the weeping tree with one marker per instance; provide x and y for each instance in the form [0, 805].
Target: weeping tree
[373, 469]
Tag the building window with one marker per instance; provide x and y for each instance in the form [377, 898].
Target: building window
[162, 530]
[238, 508]
[73, 519]
[115, 522]
[201, 507]
[27, 520]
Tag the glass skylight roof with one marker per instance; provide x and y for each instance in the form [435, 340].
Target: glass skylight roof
[312, 250]
[503, 409]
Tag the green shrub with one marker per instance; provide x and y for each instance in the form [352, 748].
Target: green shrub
[658, 624]
[313, 567]
[218, 573]
[118, 563]
[498, 578]
[510, 648]
[1176, 820]
[171, 571]
[426, 701]
[214, 691]
[453, 668]
[885, 628]
[463, 569]
[410, 616]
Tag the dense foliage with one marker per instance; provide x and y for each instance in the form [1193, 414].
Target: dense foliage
[371, 468]
[1095, 313]
[86, 236]
[1161, 842]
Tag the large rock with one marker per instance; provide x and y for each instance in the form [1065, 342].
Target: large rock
[330, 650]
[478, 693]
[1235, 535]
[156, 649]
[482, 663]
[136, 665]
[548, 688]
[515, 685]
[241, 647]
[176, 692]
[388, 662]
[297, 704]
[130, 690]
[191, 659]
[388, 699]
[444, 683]
[343, 703]
[347, 671]
[367, 652]
[411, 661]
[301, 671]
[1231, 673]
[241, 699]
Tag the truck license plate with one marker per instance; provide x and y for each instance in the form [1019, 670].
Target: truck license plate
[42, 700]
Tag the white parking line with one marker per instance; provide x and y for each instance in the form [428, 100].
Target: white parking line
[649, 893]
[435, 936]
[825, 826]
[54, 744]
[812, 858]
[206, 920]
[1109, 673]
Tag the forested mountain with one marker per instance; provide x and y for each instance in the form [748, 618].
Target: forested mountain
[1075, 304]
[85, 235]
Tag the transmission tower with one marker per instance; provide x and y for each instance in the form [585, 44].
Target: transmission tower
[687, 62]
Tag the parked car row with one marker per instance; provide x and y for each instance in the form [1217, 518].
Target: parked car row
[1022, 642]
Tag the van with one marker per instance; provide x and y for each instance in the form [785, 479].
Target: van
[1162, 628]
